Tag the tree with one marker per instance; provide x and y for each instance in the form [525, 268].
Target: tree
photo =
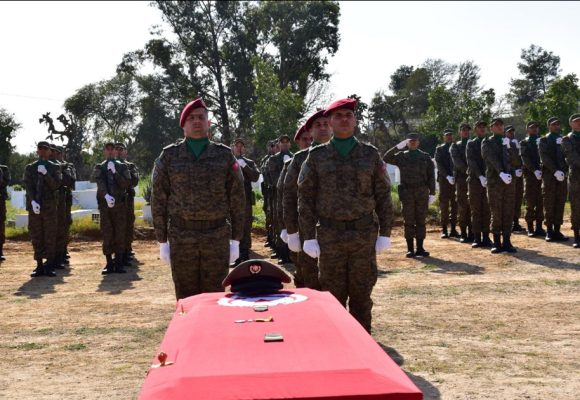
[8, 128]
[439, 72]
[467, 82]
[17, 164]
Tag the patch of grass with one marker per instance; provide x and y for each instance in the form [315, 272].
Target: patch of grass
[85, 227]
[75, 347]
[11, 211]
[30, 346]
[17, 233]
[259, 216]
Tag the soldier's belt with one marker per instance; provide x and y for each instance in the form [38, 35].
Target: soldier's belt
[353, 225]
[197, 225]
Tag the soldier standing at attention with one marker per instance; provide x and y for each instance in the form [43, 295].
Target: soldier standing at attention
[571, 148]
[69, 188]
[306, 267]
[446, 181]
[4, 182]
[517, 165]
[266, 193]
[197, 188]
[343, 191]
[42, 180]
[533, 180]
[251, 173]
[113, 179]
[68, 181]
[416, 190]
[458, 150]
[501, 189]
[121, 153]
[554, 185]
[477, 187]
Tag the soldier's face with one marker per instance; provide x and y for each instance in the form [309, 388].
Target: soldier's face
[533, 130]
[510, 134]
[284, 145]
[43, 152]
[321, 130]
[413, 144]
[239, 148]
[59, 156]
[464, 132]
[276, 148]
[480, 130]
[497, 128]
[575, 125]
[555, 127]
[109, 152]
[272, 149]
[343, 122]
[447, 138]
[305, 140]
[197, 123]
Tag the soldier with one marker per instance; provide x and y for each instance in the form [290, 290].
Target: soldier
[280, 214]
[446, 182]
[197, 188]
[266, 194]
[554, 185]
[251, 173]
[343, 188]
[571, 149]
[533, 180]
[42, 179]
[63, 214]
[71, 178]
[416, 190]
[477, 188]
[458, 150]
[306, 267]
[517, 165]
[121, 154]
[4, 182]
[113, 179]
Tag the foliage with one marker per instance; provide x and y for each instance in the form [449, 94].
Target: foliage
[17, 164]
[8, 128]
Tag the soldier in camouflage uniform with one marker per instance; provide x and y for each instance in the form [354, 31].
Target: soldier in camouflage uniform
[42, 179]
[198, 205]
[4, 182]
[121, 154]
[70, 187]
[446, 180]
[571, 149]
[266, 194]
[63, 212]
[501, 188]
[251, 174]
[533, 180]
[343, 191]
[477, 188]
[554, 185]
[306, 267]
[517, 165]
[458, 151]
[416, 190]
[113, 179]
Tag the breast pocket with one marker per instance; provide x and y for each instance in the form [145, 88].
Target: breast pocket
[364, 176]
[327, 179]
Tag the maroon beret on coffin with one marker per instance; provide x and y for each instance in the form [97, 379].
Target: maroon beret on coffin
[197, 103]
[313, 117]
[343, 103]
[299, 133]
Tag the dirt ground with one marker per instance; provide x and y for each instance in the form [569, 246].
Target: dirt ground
[463, 324]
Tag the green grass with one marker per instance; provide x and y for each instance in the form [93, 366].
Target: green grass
[30, 346]
[75, 347]
[258, 213]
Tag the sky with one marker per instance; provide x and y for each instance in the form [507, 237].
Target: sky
[48, 50]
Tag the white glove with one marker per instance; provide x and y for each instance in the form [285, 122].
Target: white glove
[284, 235]
[294, 242]
[164, 254]
[110, 200]
[451, 179]
[538, 174]
[312, 248]
[111, 166]
[286, 157]
[383, 243]
[402, 144]
[559, 140]
[506, 178]
[234, 251]
[519, 173]
[431, 199]
[515, 141]
[506, 142]
[241, 162]
[35, 207]
[560, 176]
[42, 169]
[483, 180]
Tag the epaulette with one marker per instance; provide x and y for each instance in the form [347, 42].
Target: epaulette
[226, 147]
[171, 145]
[288, 161]
[318, 147]
[369, 145]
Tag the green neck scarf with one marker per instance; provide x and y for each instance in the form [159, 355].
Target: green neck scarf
[553, 136]
[196, 146]
[344, 146]
[576, 134]
[464, 141]
[414, 154]
[498, 138]
[479, 139]
[533, 139]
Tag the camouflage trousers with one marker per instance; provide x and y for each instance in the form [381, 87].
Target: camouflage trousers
[2, 221]
[415, 204]
[62, 225]
[130, 223]
[246, 242]
[199, 259]
[43, 231]
[306, 269]
[114, 228]
[575, 203]
[554, 194]
[464, 211]
[501, 203]
[519, 196]
[479, 206]
[69, 202]
[534, 199]
[447, 203]
[348, 269]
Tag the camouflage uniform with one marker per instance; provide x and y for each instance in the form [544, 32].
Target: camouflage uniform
[251, 174]
[274, 168]
[478, 202]
[4, 182]
[458, 156]
[266, 200]
[571, 149]
[285, 257]
[133, 182]
[516, 163]
[63, 215]
[532, 185]
[191, 200]
[446, 190]
[553, 191]
[345, 196]
[69, 188]
[306, 266]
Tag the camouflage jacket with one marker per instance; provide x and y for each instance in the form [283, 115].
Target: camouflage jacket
[115, 184]
[39, 187]
[571, 148]
[344, 188]
[280, 195]
[274, 168]
[4, 181]
[290, 201]
[444, 162]
[251, 173]
[458, 152]
[415, 172]
[552, 156]
[475, 163]
[209, 188]
[134, 180]
[530, 156]
[515, 156]
[493, 154]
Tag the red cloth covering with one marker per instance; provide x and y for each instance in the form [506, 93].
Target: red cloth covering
[325, 354]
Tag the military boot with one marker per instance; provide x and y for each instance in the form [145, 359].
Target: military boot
[39, 270]
[2, 258]
[558, 236]
[539, 230]
[531, 232]
[550, 233]
[576, 244]
[110, 267]
[118, 263]
[444, 234]
[126, 259]
[516, 226]
[410, 249]
[485, 241]
[453, 232]
[420, 250]
[462, 235]
[469, 235]
[49, 267]
[59, 261]
[496, 244]
[476, 241]
[507, 244]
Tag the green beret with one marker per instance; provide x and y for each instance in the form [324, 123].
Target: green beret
[464, 125]
[509, 128]
[573, 117]
[480, 122]
[43, 144]
[532, 123]
[551, 120]
[496, 120]
[448, 131]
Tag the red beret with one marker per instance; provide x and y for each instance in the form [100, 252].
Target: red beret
[197, 103]
[299, 133]
[343, 103]
[313, 118]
